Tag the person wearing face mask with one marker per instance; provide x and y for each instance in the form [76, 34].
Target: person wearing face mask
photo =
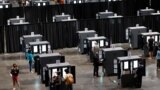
[14, 74]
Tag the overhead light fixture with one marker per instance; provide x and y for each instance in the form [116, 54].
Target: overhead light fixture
[39, 4]
[1, 6]
[6, 6]
[44, 4]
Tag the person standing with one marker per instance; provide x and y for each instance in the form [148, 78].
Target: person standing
[96, 65]
[68, 79]
[158, 58]
[150, 46]
[95, 51]
[30, 60]
[56, 81]
[138, 76]
[14, 74]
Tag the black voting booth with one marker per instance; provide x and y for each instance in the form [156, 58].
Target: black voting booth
[82, 46]
[39, 47]
[58, 18]
[133, 33]
[156, 13]
[147, 11]
[127, 67]
[143, 40]
[11, 21]
[53, 68]
[30, 38]
[101, 40]
[102, 15]
[109, 62]
[44, 59]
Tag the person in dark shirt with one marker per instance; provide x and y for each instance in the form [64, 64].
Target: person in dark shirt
[14, 74]
[57, 81]
[158, 59]
[96, 65]
[150, 46]
[138, 76]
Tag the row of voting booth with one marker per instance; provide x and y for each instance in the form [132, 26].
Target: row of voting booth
[115, 61]
[88, 39]
[138, 38]
[21, 20]
[47, 64]
[141, 12]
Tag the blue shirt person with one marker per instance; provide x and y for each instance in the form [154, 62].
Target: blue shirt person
[30, 59]
[158, 58]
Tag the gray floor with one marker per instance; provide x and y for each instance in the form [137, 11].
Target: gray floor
[84, 70]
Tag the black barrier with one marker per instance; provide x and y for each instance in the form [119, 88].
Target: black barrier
[155, 4]
[13, 34]
[1, 39]
[36, 14]
[59, 34]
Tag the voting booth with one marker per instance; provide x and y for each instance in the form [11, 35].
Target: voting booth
[39, 47]
[109, 62]
[133, 33]
[143, 41]
[102, 15]
[144, 37]
[16, 20]
[83, 35]
[146, 11]
[156, 13]
[30, 38]
[52, 69]
[127, 67]
[44, 59]
[91, 42]
[58, 18]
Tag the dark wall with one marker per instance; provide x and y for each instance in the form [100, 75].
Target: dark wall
[1, 39]
[35, 14]
[13, 34]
